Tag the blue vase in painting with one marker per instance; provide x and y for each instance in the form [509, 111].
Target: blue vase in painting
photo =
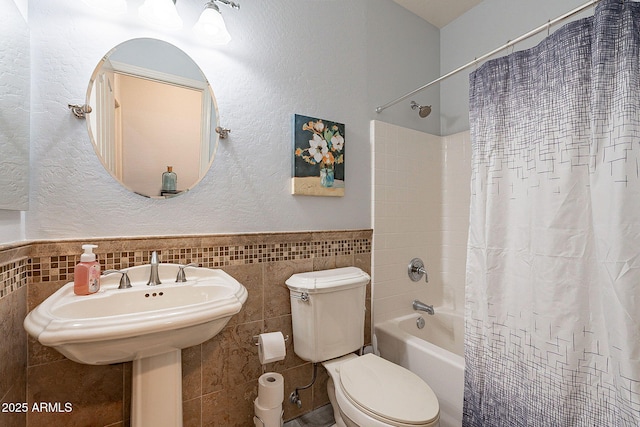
[326, 175]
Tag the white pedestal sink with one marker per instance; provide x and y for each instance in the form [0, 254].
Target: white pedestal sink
[146, 324]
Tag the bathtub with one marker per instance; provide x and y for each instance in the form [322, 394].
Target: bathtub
[435, 353]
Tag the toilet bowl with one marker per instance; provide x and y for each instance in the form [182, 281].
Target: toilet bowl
[328, 316]
[369, 391]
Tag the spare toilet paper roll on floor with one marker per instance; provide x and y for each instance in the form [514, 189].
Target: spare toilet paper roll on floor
[270, 390]
[267, 417]
[271, 347]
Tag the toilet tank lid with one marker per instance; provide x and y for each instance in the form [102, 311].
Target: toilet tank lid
[345, 277]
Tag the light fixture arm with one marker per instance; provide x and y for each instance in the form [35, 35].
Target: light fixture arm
[229, 3]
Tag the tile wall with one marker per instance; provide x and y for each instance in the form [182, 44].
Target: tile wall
[219, 376]
[14, 278]
[456, 195]
[407, 204]
[421, 190]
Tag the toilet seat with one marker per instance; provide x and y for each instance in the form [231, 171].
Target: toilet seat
[371, 388]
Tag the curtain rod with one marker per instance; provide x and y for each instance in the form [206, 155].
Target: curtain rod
[493, 52]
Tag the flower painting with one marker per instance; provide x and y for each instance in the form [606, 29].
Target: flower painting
[318, 157]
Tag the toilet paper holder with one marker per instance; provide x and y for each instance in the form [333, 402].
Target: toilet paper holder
[257, 419]
[255, 339]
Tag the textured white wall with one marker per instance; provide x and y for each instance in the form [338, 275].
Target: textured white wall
[403, 54]
[286, 56]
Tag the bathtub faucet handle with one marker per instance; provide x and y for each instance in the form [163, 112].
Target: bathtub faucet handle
[416, 270]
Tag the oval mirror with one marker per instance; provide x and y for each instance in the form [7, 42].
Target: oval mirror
[152, 118]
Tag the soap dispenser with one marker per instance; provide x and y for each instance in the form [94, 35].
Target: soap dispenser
[86, 276]
[169, 180]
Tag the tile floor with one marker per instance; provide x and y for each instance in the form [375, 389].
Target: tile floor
[321, 417]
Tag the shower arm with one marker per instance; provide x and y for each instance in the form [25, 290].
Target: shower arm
[510, 43]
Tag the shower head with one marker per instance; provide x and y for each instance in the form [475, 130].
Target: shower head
[423, 110]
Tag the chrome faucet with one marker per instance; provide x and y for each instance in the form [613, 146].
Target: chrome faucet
[125, 283]
[420, 306]
[181, 277]
[416, 270]
[154, 279]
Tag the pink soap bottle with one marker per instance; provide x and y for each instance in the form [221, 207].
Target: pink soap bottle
[86, 276]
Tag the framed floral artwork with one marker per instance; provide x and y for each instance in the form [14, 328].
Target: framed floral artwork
[318, 157]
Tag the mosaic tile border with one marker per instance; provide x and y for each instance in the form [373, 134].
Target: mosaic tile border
[13, 276]
[54, 261]
[54, 268]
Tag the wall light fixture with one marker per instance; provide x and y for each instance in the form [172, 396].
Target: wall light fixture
[211, 25]
[162, 13]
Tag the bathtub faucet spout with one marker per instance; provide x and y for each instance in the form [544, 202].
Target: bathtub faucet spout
[420, 306]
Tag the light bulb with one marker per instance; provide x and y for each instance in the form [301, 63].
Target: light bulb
[211, 26]
[162, 13]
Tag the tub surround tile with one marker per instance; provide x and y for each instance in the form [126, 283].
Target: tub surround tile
[433, 227]
[219, 376]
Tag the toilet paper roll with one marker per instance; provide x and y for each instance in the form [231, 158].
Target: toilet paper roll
[270, 390]
[271, 347]
[267, 417]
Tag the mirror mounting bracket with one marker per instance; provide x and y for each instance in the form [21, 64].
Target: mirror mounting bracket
[80, 110]
[223, 132]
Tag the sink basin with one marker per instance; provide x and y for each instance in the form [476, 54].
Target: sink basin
[146, 324]
[117, 325]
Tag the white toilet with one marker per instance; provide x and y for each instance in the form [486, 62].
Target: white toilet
[328, 311]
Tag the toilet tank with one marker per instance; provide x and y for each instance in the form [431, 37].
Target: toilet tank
[327, 311]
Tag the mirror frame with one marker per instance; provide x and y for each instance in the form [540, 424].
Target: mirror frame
[209, 110]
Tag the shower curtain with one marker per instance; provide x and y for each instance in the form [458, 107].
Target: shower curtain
[552, 311]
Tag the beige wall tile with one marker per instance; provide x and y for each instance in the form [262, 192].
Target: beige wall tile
[219, 376]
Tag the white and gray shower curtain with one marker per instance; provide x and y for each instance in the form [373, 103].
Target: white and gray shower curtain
[553, 272]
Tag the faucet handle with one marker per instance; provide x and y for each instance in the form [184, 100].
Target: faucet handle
[125, 283]
[416, 270]
[181, 277]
